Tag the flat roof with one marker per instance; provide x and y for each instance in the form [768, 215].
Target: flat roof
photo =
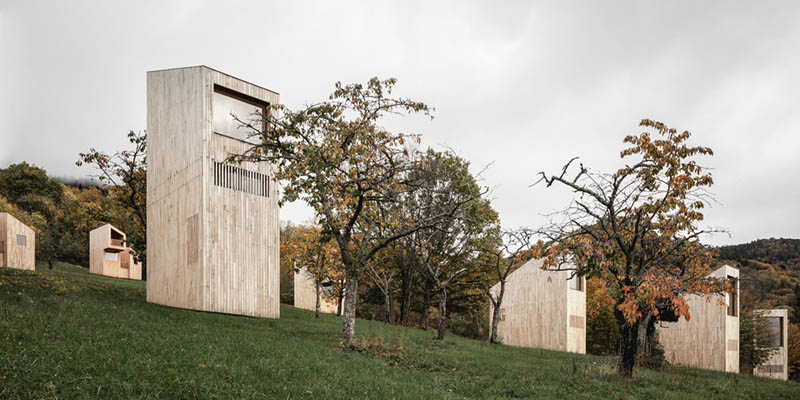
[214, 69]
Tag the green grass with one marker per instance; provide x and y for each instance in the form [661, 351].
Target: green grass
[67, 334]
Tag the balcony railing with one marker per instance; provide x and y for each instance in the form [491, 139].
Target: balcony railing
[116, 242]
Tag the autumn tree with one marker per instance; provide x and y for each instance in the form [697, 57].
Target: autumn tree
[124, 173]
[317, 254]
[638, 225]
[501, 260]
[793, 351]
[336, 157]
[602, 335]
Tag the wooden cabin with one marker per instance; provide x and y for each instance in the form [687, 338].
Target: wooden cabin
[109, 255]
[212, 225]
[710, 338]
[17, 244]
[543, 309]
[305, 296]
[777, 366]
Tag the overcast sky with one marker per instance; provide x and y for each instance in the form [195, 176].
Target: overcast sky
[524, 85]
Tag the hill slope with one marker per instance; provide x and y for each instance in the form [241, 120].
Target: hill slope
[66, 334]
[770, 272]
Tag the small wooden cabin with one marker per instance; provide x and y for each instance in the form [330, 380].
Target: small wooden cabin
[543, 309]
[776, 367]
[305, 293]
[710, 338]
[110, 256]
[212, 225]
[17, 244]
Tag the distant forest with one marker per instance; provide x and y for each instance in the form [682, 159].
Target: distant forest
[769, 271]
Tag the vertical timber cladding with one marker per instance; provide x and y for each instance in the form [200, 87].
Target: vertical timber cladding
[17, 244]
[305, 294]
[211, 247]
[710, 338]
[541, 309]
[776, 367]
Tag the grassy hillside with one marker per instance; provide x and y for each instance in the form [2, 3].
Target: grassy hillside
[67, 334]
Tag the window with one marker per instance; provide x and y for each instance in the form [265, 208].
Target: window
[112, 256]
[226, 104]
[327, 288]
[236, 178]
[22, 240]
[576, 283]
[733, 298]
[775, 325]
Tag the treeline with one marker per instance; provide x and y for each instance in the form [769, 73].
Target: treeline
[397, 290]
[61, 215]
[782, 253]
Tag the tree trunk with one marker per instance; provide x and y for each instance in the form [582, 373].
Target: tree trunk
[643, 341]
[629, 345]
[349, 314]
[316, 311]
[406, 291]
[426, 306]
[340, 298]
[387, 303]
[496, 313]
[442, 314]
[405, 305]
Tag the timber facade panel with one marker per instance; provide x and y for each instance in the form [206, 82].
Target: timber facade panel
[110, 256]
[212, 225]
[17, 244]
[543, 309]
[710, 338]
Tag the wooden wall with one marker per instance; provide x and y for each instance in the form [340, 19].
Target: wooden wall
[305, 294]
[100, 240]
[777, 366]
[710, 338]
[12, 255]
[540, 310]
[210, 247]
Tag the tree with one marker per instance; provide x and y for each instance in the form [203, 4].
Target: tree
[451, 248]
[638, 225]
[755, 340]
[382, 271]
[793, 339]
[316, 253]
[125, 174]
[336, 157]
[31, 190]
[602, 335]
[502, 260]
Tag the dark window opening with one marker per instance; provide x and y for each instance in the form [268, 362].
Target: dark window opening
[775, 325]
[576, 283]
[733, 297]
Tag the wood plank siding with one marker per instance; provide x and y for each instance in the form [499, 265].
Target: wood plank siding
[305, 294]
[710, 338]
[540, 310]
[109, 254]
[17, 244]
[213, 226]
[777, 366]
